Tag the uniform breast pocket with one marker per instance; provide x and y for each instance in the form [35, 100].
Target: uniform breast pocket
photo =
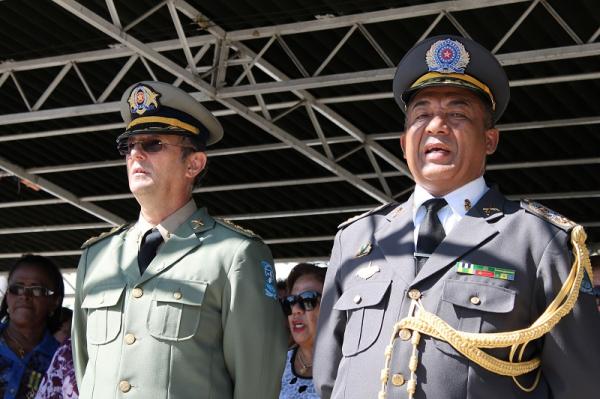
[104, 307]
[176, 308]
[365, 308]
[464, 304]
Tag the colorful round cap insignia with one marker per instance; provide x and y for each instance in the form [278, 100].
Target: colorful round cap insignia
[142, 99]
[447, 56]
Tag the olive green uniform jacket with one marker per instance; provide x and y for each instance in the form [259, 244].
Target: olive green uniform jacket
[201, 322]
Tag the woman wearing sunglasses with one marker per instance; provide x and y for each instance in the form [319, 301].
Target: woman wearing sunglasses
[29, 315]
[305, 285]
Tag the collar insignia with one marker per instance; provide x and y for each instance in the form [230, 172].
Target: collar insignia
[142, 99]
[467, 205]
[365, 249]
[490, 211]
[197, 223]
[447, 56]
[368, 271]
[397, 211]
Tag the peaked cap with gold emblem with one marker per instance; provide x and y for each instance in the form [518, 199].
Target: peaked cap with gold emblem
[156, 107]
[452, 61]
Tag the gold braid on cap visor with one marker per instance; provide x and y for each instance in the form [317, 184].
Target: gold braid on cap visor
[470, 345]
[471, 81]
[168, 121]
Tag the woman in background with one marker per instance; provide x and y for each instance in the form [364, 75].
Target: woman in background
[29, 314]
[59, 381]
[305, 285]
[64, 331]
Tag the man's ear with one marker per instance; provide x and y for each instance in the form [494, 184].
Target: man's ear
[196, 162]
[403, 144]
[492, 136]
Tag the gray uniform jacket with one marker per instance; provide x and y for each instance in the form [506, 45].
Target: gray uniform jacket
[366, 293]
[200, 323]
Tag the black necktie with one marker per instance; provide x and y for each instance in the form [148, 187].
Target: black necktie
[152, 239]
[431, 231]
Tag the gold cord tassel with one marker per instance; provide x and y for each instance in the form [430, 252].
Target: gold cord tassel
[471, 344]
[411, 386]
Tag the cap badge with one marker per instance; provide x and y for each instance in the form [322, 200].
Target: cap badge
[143, 99]
[447, 56]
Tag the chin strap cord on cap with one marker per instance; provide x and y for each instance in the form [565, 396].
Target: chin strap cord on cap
[470, 345]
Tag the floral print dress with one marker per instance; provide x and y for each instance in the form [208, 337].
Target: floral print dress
[59, 381]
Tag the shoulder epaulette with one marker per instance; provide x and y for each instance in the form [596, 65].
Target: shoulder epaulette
[232, 226]
[548, 214]
[93, 240]
[362, 215]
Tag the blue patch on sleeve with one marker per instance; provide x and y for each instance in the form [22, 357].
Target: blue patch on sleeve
[586, 284]
[269, 274]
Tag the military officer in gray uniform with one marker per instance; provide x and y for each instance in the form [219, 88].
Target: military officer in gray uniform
[178, 305]
[458, 292]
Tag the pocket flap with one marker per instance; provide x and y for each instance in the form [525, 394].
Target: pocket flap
[366, 294]
[180, 291]
[102, 297]
[479, 296]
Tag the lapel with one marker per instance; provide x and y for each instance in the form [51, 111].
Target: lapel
[476, 227]
[187, 237]
[395, 240]
[129, 258]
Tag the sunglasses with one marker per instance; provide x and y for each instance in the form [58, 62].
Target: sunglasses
[307, 301]
[34, 290]
[148, 146]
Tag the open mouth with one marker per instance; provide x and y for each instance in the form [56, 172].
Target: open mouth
[298, 326]
[436, 149]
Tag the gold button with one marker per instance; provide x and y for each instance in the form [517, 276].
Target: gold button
[405, 334]
[137, 292]
[475, 300]
[357, 299]
[124, 386]
[129, 339]
[398, 380]
[177, 295]
[414, 294]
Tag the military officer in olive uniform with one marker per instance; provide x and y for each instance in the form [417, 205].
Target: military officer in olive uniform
[178, 305]
[412, 287]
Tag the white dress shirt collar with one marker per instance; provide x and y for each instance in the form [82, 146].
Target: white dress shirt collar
[168, 225]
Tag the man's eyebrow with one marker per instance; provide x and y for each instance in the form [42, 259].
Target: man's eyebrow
[418, 103]
[458, 102]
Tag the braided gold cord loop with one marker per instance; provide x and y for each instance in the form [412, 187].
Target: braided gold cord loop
[471, 344]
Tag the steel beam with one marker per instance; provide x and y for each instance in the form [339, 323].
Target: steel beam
[143, 49]
[57, 79]
[61, 193]
[392, 14]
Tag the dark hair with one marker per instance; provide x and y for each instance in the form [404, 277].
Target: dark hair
[66, 314]
[281, 285]
[47, 266]
[305, 269]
